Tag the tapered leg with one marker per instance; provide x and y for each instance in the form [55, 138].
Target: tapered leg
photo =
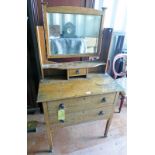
[107, 126]
[49, 133]
[121, 103]
[110, 118]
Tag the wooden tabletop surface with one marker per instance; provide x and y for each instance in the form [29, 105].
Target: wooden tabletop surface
[73, 65]
[50, 90]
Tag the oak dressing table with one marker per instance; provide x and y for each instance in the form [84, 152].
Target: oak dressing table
[83, 96]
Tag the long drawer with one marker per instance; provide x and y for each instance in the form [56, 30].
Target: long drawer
[82, 116]
[82, 103]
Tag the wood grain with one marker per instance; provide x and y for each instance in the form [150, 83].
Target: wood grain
[77, 72]
[49, 134]
[46, 29]
[100, 33]
[41, 45]
[73, 55]
[95, 84]
[74, 10]
[111, 116]
[82, 116]
[73, 65]
[82, 103]
[42, 50]
[84, 100]
[82, 139]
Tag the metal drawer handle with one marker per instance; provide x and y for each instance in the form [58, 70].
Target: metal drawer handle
[77, 71]
[103, 99]
[101, 113]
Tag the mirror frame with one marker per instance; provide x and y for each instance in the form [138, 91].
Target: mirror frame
[72, 10]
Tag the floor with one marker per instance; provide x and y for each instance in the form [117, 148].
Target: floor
[82, 139]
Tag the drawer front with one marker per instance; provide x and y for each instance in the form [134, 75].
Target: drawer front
[76, 72]
[82, 116]
[82, 103]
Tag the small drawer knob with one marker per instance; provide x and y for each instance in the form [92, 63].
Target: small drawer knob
[61, 121]
[61, 106]
[103, 99]
[101, 113]
[77, 71]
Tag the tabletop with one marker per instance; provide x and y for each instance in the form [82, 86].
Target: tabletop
[95, 84]
[73, 65]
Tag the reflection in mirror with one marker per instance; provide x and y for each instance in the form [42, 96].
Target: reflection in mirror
[73, 33]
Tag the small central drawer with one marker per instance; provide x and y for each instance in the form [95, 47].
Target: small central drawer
[82, 103]
[77, 72]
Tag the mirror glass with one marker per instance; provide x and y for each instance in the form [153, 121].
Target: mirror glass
[72, 34]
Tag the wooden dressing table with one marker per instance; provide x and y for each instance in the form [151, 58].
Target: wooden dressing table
[92, 97]
[84, 100]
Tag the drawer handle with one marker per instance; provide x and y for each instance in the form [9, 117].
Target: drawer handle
[61, 106]
[103, 99]
[77, 71]
[101, 113]
[61, 121]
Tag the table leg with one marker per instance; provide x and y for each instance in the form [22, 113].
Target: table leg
[107, 126]
[111, 116]
[121, 103]
[49, 133]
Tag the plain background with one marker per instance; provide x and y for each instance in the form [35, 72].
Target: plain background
[141, 77]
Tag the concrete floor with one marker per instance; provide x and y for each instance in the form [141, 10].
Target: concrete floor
[82, 139]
